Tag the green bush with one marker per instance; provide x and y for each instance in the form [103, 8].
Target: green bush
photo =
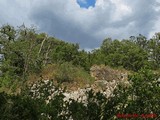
[141, 97]
[67, 72]
[18, 108]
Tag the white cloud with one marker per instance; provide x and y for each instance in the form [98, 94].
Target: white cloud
[66, 20]
[121, 10]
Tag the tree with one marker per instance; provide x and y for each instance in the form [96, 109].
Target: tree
[144, 93]
[154, 50]
[125, 53]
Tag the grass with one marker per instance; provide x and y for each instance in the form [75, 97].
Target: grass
[66, 74]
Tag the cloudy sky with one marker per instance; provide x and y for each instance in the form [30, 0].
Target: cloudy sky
[87, 22]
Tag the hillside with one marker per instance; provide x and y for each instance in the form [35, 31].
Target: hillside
[43, 77]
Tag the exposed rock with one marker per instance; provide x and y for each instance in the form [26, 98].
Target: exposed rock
[107, 78]
[106, 73]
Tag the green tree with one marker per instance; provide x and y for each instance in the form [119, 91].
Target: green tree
[154, 50]
[144, 93]
[125, 53]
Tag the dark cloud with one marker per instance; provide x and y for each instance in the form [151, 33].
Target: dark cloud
[63, 29]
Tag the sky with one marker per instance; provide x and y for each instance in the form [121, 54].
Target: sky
[86, 3]
[87, 22]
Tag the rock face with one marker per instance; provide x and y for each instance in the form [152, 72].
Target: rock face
[106, 73]
[107, 78]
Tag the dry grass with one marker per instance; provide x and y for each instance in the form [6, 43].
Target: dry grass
[66, 74]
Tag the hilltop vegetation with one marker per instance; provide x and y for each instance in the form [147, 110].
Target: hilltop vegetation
[29, 56]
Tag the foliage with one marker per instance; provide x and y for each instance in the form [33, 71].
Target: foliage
[67, 72]
[17, 108]
[25, 52]
[125, 53]
[141, 97]
[144, 92]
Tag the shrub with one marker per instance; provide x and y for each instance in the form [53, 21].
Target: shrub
[67, 72]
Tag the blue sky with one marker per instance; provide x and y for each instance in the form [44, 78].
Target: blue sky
[88, 26]
[86, 3]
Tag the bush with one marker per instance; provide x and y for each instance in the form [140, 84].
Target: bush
[67, 72]
[141, 97]
[16, 107]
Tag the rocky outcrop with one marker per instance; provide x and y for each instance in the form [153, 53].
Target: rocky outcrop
[108, 78]
[106, 73]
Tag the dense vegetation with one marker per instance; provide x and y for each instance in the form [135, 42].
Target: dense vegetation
[26, 52]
